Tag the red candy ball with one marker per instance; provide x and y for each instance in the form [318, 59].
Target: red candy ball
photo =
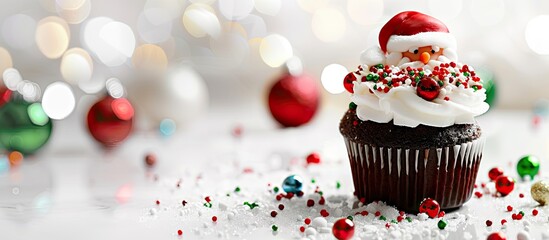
[348, 82]
[294, 100]
[496, 236]
[343, 229]
[313, 158]
[430, 207]
[428, 88]
[505, 185]
[110, 120]
[494, 173]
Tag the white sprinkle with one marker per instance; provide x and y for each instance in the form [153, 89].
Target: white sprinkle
[319, 222]
[222, 207]
[545, 235]
[325, 230]
[523, 236]
[527, 228]
[310, 231]
[422, 216]
[204, 225]
[396, 234]
[152, 211]
[467, 235]
[230, 216]
[181, 212]
[526, 223]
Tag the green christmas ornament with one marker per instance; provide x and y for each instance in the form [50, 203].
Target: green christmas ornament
[488, 83]
[528, 165]
[24, 126]
[442, 224]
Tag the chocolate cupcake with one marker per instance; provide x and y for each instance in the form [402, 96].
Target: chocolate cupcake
[410, 130]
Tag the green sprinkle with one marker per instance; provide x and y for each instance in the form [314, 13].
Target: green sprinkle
[475, 87]
[376, 77]
[274, 227]
[411, 73]
[375, 87]
[417, 79]
[313, 180]
[440, 83]
[338, 185]
[521, 213]
[466, 74]
[442, 224]
[350, 218]
[228, 194]
[352, 106]
[383, 218]
[208, 205]
[275, 189]
[389, 83]
[379, 66]
[237, 189]
[458, 83]
[422, 73]
[409, 219]
[369, 77]
[385, 74]
[454, 74]
[394, 221]
[251, 205]
[320, 193]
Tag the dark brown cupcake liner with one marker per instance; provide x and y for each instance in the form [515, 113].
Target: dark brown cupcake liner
[404, 177]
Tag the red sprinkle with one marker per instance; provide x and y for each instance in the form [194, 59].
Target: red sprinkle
[535, 212]
[387, 225]
[364, 213]
[273, 214]
[184, 203]
[478, 194]
[281, 206]
[157, 202]
[488, 223]
[324, 213]
[310, 203]
[300, 194]
[519, 216]
[503, 221]
[278, 197]
[400, 218]
[207, 199]
[521, 195]
[307, 221]
[214, 218]
[322, 201]
[378, 214]
[401, 213]
[441, 214]
[302, 229]
[483, 185]
[509, 208]
[313, 158]
[179, 232]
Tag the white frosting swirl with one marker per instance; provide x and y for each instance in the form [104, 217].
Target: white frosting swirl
[454, 105]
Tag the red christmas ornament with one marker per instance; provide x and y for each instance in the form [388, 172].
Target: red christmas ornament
[428, 88]
[294, 100]
[348, 82]
[496, 236]
[494, 173]
[504, 185]
[343, 229]
[150, 160]
[430, 207]
[313, 158]
[110, 120]
[5, 95]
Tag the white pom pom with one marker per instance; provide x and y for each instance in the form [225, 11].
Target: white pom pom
[394, 58]
[372, 56]
[451, 54]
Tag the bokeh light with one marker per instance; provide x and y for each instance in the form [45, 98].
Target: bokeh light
[119, 43]
[365, 12]
[231, 47]
[76, 66]
[37, 114]
[312, 5]
[12, 78]
[332, 78]
[268, 7]
[150, 57]
[4, 164]
[159, 12]
[5, 60]
[254, 26]
[31, 91]
[58, 100]
[18, 31]
[122, 109]
[445, 10]
[73, 11]
[275, 50]
[200, 20]
[15, 158]
[537, 34]
[153, 32]
[52, 36]
[235, 9]
[115, 88]
[488, 12]
[328, 24]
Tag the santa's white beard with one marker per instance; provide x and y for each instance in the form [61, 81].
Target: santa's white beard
[405, 62]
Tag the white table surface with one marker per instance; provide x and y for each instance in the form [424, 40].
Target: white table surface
[73, 189]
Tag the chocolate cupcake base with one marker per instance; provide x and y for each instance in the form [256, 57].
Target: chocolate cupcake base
[404, 177]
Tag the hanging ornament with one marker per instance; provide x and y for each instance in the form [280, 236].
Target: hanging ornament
[505, 185]
[343, 229]
[294, 98]
[540, 192]
[24, 126]
[528, 166]
[110, 120]
[170, 101]
[430, 207]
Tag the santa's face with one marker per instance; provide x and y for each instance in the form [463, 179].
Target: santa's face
[423, 54]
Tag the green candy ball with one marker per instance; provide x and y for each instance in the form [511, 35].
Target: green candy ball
[528, 165]
[442, 224]
[24, 126]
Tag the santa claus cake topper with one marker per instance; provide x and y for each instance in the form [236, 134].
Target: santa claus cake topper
[412, 39]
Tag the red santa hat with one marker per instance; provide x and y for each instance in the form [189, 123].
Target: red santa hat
[410, 29]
